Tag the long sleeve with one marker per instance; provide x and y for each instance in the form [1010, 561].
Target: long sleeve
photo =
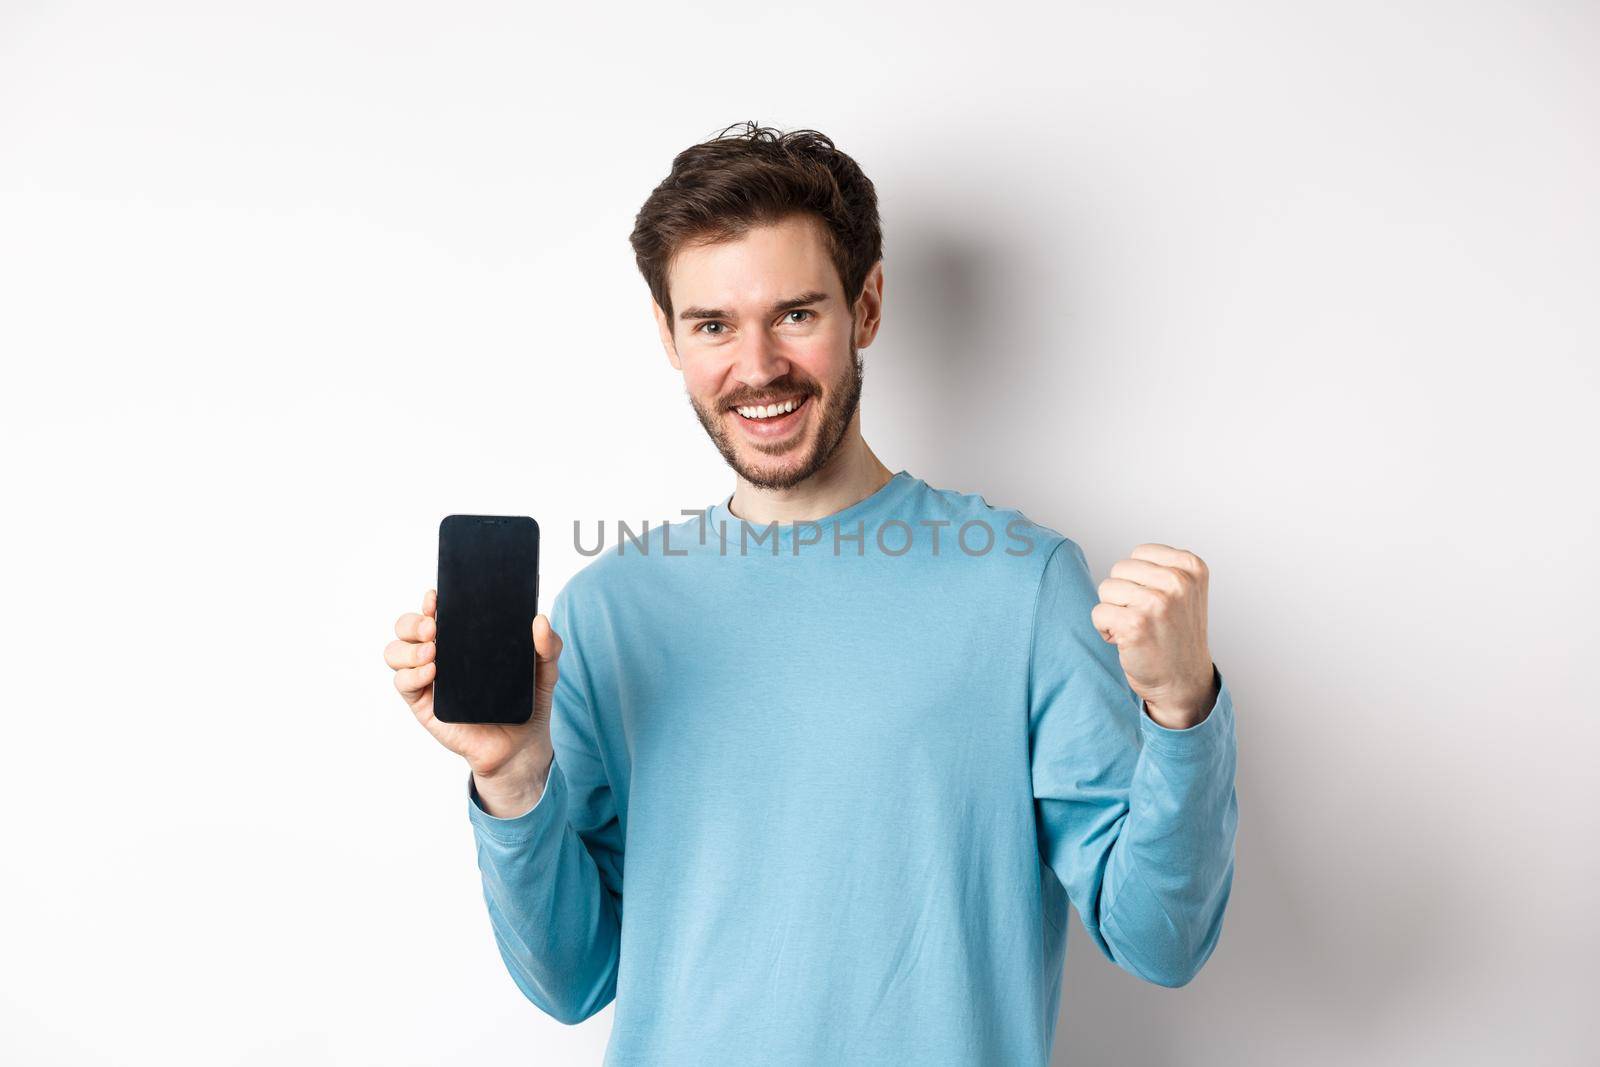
[552, 876]
[1137, 820]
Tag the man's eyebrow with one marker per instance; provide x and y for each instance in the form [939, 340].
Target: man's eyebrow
[816, 296]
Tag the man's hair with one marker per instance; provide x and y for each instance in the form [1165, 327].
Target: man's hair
[720, 188]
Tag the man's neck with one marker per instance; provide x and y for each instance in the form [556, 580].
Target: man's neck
[851, 475]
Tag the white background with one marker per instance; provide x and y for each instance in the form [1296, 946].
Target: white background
[1307, 288]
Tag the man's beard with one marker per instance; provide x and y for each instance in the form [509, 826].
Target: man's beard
[834, 419]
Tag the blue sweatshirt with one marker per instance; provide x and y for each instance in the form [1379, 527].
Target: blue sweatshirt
[822, 791]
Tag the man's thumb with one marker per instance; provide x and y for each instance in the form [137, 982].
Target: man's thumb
[546, 642]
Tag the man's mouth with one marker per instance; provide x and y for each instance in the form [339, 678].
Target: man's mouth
[768, 421]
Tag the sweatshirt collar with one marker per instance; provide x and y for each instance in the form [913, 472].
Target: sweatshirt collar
[866, 510]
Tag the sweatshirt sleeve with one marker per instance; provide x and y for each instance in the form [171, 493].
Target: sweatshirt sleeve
[1137, 820]
[552, 876]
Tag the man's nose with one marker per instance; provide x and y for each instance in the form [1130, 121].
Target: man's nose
[759, 360]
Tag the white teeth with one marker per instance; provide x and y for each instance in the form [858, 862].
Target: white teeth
[759, 412]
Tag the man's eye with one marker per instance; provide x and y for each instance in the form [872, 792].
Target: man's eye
[705, 327]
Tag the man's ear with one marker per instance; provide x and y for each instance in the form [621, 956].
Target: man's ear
[869, 306]
[664, 327]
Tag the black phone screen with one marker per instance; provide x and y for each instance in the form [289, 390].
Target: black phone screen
[488, 594]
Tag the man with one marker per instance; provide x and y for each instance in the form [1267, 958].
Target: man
[854, 764]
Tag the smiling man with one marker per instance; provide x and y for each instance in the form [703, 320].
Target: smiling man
[825, 800]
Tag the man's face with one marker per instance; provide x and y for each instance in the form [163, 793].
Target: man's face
[762, 321]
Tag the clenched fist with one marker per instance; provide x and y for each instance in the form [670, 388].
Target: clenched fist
[1153, 608]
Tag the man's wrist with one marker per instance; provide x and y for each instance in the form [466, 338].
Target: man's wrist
[515, 789]
[1190, 715]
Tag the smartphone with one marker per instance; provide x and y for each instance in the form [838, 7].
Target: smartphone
[488, 594]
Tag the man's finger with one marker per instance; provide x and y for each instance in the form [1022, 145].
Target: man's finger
[1168, 556]
[1154, 575]
[400, 654]
[1126, 593]
[1112, 621]
[546, 642]
[547, 646]
[413, 680]
[414, 627]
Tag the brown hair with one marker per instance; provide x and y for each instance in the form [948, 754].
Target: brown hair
[720, 188]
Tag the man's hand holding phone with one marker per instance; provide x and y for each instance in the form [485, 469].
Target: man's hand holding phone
[510, 763]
